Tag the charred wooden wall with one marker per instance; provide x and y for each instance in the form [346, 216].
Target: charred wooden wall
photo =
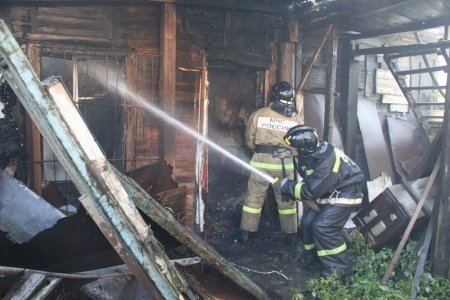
[230, 39]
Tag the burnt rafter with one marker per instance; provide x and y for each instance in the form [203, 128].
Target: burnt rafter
[267, 6]
[375, 18]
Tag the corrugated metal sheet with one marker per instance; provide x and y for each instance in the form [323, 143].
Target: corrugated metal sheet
[377, 154]
[23, 214]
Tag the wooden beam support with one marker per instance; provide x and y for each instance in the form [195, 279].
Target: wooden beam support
[32, 135]
[130, 115]
[330, 97]
[287, 62]
[441, 261]
[167, 75]
[349, 98]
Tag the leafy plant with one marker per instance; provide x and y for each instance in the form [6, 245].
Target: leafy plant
[368, 269]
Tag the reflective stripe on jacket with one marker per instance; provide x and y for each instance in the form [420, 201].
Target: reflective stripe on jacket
[327, 173]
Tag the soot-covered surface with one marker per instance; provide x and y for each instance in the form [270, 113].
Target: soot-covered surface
[266, 252]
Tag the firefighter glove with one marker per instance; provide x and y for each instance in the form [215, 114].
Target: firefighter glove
[278, 185]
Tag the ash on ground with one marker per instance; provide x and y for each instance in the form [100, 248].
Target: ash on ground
[266, 258]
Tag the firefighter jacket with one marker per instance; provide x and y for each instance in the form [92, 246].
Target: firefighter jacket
[328, 174]
[267, 127]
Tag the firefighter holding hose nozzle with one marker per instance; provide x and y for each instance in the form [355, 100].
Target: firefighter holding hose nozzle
[333, 181]
[264, 132]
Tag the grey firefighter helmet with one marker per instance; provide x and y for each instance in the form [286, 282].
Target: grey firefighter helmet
[282, 95]
[304, 138]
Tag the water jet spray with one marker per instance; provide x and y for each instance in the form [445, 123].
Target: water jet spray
[140, 101]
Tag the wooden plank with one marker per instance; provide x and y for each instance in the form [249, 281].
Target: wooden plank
[376, 150]
[287, 62]
[167, 75]
[130, 114]
[33, 136]
[41, 37]
[349, 98]
[293, 30]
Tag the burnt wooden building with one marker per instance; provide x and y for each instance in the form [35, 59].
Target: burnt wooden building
[210, 64]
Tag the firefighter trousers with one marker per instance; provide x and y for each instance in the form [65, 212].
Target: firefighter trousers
[321, 232]
[254, 200]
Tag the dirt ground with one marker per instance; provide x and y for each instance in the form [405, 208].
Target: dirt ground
[266, 259]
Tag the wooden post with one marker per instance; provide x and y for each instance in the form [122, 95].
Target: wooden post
[330, 87]
[298, 57]
[287, 65]
[32, 134]
[130, 114]
[349, 98]
[287, 62]
[167, 75]
[441, 261]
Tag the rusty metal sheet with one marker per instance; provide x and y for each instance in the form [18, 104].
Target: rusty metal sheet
[314, 108]
[376, 149]
[403, 140]
[23, 214]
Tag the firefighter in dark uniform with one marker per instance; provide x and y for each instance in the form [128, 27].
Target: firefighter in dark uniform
[264, 136]
[334, 182]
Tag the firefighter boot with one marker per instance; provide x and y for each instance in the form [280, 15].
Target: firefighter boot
[244, 237]
[308, 259]
[290, 239]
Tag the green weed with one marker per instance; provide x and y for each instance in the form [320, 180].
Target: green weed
[368, 269]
